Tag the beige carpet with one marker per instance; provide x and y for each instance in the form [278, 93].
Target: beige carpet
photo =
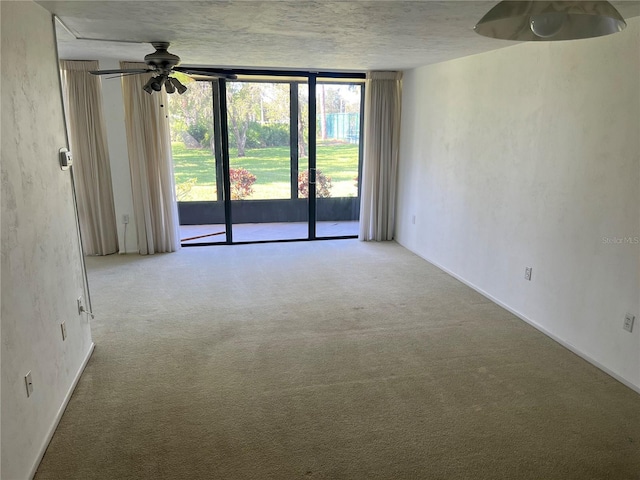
[328, 360]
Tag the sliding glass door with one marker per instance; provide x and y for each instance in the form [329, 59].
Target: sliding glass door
[264, 161]
[256, 161]
[338, 153]
[197, 163]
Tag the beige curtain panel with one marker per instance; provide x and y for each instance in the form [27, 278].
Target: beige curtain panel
[380, 162]
[152, 182]
[91, 170]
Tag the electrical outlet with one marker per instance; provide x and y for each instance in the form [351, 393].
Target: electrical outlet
[125, 218]
[28, 383]
[628, 322]
[80, 306]
[413, 219]
[63, 327]
[527, 273]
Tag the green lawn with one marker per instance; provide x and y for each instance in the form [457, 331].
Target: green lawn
[270, 166]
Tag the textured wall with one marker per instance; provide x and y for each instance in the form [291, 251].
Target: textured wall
[529, 156]
[41, 261]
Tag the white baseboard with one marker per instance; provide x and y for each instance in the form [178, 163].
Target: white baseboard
[564, 343]
[56, 421]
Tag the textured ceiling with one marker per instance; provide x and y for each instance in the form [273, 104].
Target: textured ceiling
[302, 34]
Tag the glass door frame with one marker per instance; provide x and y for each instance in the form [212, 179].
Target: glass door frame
[221, 139]
[312, 157]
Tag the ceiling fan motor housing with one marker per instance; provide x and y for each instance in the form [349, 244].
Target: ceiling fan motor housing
[161, 59]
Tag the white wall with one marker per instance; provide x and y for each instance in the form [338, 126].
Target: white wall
[529, 156]
[41, 259]
[113, 107]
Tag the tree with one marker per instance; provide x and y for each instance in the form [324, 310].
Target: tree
[323, 113]
[251, 106]
[303, 115]
[243, 107]
[192, 113]
[302, 127]
[276, 104]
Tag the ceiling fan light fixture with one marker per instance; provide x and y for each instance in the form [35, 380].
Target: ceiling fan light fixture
[177, 85]
[156, 83]
[168, 86]
[550, 20]
[147, 86]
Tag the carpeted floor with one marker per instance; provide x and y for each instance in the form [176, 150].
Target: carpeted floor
[327, 360]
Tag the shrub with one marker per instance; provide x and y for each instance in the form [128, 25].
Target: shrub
[183, 189]
[241, 183]
[275, 135]
[254, 136]
[323, 184]
[260, 136]
[200, 132]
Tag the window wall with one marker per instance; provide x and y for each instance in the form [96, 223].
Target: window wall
[260, 126]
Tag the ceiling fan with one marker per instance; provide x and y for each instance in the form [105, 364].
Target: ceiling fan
[162, 64]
